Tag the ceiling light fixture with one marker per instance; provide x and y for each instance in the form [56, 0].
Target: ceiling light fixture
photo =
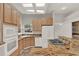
[40, 11]
[30, 10]
[27, 5]
[63, 8]
[40, 4]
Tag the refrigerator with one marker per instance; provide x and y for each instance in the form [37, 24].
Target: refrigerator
[47, 34]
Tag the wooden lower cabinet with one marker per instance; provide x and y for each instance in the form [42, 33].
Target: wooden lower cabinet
[15, 53]
[32, 41]
[26, 42]
[23, 43]
[29, 41]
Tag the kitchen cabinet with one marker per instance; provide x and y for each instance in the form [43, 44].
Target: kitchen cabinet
[32, 41]
[19, 49]
[15, 53]
[18, 18]
[47, 21]
[14, 15]
[7, 14]
[23, 43]
[11, 15]
[26, 42]
[37, 24]
[1, 22]
[29, 41]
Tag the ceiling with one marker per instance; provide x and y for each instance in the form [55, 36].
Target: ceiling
[59, 8]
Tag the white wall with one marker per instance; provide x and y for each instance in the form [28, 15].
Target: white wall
[58, 19]
[67, 25]
[66, 28]
[57, 30]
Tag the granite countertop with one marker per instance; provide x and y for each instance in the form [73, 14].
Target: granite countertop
[55, 42]
[1, 43]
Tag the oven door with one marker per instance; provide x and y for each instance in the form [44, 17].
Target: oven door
[10, 36]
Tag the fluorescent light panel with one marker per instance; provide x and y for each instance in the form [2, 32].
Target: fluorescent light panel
[63, 8]
[40, 4]
[40, 11]
[30, 10]
[28, 5]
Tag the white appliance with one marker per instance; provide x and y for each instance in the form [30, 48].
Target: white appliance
[10, 36]
[47, 33]
[2, 50]
[38, 41]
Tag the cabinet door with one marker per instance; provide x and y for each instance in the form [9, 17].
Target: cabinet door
[32, 41]
[7, 13]
[49, 21]
[14, 14]
[15, 53]
[18, 21]
[18, 47]
[36, 26]
[43, 21]
[1, 22]
[27, 42]
[21, 44]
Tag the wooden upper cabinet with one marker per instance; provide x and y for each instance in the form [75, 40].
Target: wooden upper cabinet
[14, 15]
[49, 21]
[18, 22]
[1, 12]
[11, 15]
[1, 22]
[36, 24]
[1, 15]
[7, 14]
[18, 18]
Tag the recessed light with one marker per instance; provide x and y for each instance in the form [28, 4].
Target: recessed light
[30, 10]
[63, 8]
[27, 5]
[40, 4]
